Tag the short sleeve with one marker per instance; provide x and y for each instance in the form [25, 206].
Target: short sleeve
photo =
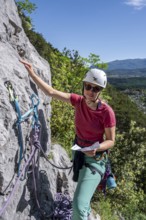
[75, 99]
[109, 118]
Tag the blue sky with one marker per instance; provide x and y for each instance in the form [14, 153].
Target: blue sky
[112, 29]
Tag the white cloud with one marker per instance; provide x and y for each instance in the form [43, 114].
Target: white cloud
[137, 4]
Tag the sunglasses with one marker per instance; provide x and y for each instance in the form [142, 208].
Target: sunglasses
[92, 88]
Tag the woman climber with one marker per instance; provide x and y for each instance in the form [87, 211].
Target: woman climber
[94, 126]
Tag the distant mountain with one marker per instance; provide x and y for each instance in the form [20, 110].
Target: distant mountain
[127, 68]
[127, 64]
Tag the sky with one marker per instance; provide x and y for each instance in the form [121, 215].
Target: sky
[111, 29]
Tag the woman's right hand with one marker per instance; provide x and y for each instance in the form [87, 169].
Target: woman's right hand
[47, 89]
[28, 66]
[90, 153]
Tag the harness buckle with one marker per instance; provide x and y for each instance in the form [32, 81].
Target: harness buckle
[100, 156]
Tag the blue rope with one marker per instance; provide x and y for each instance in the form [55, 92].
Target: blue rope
[20, 118]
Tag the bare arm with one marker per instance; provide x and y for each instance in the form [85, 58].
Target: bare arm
[109, 141]
[105, 145]
[47, 89]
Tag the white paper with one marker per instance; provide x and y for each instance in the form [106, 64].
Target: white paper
[92, 147]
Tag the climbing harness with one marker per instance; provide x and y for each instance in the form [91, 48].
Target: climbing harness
[94, 169]
[107, 178]
[79, 161]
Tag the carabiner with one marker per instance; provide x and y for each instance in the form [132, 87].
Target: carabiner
[35, 102]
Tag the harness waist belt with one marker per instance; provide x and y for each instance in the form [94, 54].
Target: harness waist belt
[85, 141]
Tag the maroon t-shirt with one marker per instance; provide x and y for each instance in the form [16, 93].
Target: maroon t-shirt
[90, 124]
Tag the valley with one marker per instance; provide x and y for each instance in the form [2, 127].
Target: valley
[138, 96]
[129, 76]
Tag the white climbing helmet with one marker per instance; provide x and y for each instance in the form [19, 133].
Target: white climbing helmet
[97, 77]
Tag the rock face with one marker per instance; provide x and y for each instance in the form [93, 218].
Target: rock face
[20, 203]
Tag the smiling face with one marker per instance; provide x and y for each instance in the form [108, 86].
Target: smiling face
[91, 91]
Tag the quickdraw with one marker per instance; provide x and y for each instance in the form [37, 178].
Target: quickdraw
[34, 148]
[21, 118]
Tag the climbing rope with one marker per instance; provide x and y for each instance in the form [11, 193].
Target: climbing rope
[35, 137]
[58, 167]
[17, 181]
[21, 118]
[35, 146]
[62, 207]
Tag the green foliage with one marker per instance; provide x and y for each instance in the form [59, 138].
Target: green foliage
[138, 216]
[66, 76]
[125, 82]
[128, 163]
[125, 109]
[25, 6]
[40, 44]
[94, 60]
[26, 21]
[62, 125]
[104, 209]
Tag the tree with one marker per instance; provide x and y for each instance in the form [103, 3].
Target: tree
[25, 6]
[93, 60]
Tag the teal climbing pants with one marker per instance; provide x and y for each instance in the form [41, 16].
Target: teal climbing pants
[87, 184]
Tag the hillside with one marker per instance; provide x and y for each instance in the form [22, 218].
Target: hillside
[130, 77]
[123, 83]
[127, 64]
[126, 73]
[130, 68]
